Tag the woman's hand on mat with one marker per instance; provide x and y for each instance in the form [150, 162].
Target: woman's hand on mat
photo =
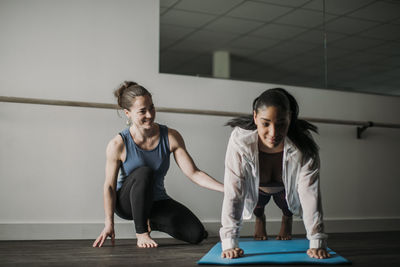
[318, 253]
[108, 231]
[232, 253]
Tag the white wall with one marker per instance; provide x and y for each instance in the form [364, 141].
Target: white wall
[52, 158]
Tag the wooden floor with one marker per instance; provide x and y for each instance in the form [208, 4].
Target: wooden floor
[363, 249]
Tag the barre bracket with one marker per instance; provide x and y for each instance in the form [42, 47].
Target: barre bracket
[362, 129]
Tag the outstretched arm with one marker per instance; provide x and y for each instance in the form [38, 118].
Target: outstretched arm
[187, 165]
[113, 153]
[233, 204]
[310, 198]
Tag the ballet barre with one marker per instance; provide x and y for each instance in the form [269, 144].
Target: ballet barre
[361, 125]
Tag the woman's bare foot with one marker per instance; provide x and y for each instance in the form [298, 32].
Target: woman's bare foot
[286, 228]
[145, 241]
[260, 232]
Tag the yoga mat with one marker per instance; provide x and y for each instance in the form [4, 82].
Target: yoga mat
[271, 252]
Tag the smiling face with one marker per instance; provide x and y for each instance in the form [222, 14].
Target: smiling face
[142, 113]
[272, 127]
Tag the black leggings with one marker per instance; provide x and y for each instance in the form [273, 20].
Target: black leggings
[135, 201]
[279, 199]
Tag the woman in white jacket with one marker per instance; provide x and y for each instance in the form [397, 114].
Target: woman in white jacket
[272, 153]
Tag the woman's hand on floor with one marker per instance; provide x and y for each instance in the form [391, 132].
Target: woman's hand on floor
[318, 253]
[232, 253]
[108, 231]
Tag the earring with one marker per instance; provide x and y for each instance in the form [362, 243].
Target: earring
[128, 122]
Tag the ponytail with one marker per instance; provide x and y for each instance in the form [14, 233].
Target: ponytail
[245, 122]
[300, 134]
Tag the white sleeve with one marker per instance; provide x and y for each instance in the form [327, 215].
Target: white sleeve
[234, 194]
[310, 199]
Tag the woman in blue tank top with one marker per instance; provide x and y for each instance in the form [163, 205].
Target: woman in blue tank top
[140, 154]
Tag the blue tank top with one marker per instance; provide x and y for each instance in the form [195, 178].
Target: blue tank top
[157, 159]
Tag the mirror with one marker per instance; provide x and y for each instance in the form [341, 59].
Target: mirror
[333, 44]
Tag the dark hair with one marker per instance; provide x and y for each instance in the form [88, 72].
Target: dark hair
[299, 130]
[127, 92]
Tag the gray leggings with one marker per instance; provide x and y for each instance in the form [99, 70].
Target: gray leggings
[135, 201]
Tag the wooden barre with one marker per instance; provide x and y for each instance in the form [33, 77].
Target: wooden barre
[23, 100]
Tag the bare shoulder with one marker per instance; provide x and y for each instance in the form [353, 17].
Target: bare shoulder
[115, 147]
[173, 133]
[175, 139]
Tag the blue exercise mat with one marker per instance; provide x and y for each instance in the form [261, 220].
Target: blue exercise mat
[271, 252]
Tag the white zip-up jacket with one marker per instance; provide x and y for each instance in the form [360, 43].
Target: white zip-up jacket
[241, 185]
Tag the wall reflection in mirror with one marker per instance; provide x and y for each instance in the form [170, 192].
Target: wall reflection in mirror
[350, 45]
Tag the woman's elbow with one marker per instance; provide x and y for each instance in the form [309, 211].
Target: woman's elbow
[109, 188]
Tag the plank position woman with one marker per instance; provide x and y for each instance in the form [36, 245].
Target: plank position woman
[272, 154]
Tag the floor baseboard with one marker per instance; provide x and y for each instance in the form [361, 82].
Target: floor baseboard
[124, 230]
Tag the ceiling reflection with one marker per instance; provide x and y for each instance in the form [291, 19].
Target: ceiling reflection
[282, 41]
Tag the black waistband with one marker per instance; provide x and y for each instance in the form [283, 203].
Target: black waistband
[272, 184]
